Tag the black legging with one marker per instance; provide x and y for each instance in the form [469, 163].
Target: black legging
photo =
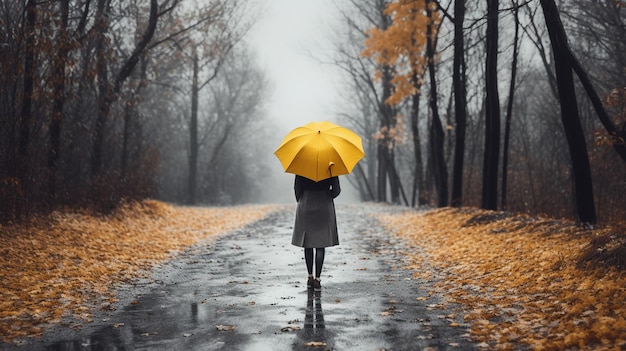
[319, 260]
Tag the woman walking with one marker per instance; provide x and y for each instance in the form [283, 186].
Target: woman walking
[316, 223]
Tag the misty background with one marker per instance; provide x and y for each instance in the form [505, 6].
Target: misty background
[185, 101]
[292, 42]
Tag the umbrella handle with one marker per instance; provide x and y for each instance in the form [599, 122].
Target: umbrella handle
[330, 170]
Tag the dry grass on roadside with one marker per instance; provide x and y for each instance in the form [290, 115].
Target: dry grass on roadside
[57, 266]
[543, 283]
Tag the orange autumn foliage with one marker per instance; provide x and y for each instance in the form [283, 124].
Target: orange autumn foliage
[521, 280]
[401, 45]
[56, 267]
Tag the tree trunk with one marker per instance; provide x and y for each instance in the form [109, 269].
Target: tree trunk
[385, 157]
[370, 193]
[394, 178]
[387, 117]
[128, 117]
[103, 98]
[492, 116]
[583, 187]
[436, 131]
[58, 81]
[460, 102]
[393, 175]
[509, 111]
[128, 112]
[193, 135]
[418, 177]
[381, 178]
[26, 113]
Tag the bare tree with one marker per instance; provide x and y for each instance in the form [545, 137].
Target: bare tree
[601, 27]
[492, 118]
[585, 204]
[419, 180]
[107, 94]
[460, 103]
[387, 122]
[58, 96]
[436, 128]
[372, 116]
[235, 99]
[26, 113]
[509, 107]
[209, 50]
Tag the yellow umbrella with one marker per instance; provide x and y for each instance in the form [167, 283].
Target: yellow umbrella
[320, 150]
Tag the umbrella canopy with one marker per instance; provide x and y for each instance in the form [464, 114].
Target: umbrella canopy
[320, 150]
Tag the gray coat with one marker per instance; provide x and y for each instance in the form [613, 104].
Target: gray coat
[316, 222]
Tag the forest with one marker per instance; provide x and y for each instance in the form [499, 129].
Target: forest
[503, 105]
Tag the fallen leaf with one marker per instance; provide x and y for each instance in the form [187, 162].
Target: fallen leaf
[70, 258]
[225, 327]
[518, 278]
[315, 344]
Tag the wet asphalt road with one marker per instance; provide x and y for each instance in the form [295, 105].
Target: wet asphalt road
[247, 291]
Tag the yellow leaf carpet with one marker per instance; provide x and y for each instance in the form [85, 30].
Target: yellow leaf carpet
[55, 267]
[522, 282]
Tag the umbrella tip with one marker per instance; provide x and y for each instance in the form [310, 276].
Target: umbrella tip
[319, 131]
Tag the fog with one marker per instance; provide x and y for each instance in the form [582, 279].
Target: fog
[290, 39]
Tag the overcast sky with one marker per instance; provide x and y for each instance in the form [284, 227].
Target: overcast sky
[290, 38]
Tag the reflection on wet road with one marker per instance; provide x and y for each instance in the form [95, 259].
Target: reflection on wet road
[247, 291]
[314, 332]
